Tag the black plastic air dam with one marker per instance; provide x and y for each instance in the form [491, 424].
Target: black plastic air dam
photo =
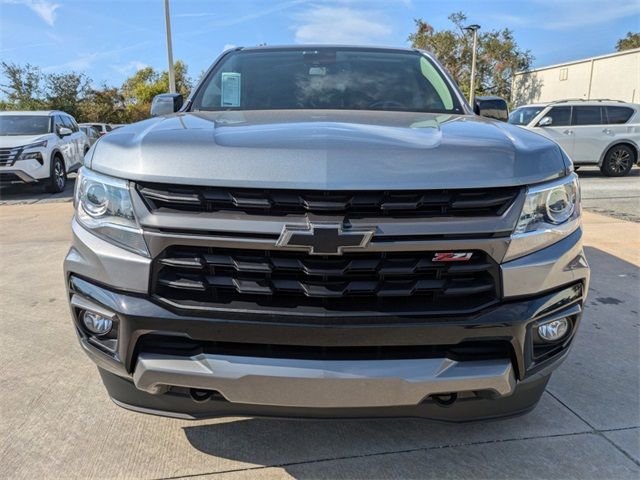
[125, 394]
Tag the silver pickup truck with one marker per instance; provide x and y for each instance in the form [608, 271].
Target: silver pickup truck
[326, 231]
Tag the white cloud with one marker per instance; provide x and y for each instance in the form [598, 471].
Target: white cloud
[228, 46]
[85, 61]
[129, 67]
[508, 20]
[23, 46]
[568, 15]
[45, 9]
[191, 15]
[324, 24]
[586, 14]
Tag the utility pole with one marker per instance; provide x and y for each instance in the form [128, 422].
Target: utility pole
[472, 87]
[172, 77]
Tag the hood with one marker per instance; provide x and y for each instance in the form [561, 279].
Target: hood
[328, 150]
[10, 141]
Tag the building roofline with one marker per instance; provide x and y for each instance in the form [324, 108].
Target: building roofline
[582, 60]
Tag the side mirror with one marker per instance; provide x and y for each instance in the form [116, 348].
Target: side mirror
[166, 103]
[545, 122]
[64, 131]
[492, 107]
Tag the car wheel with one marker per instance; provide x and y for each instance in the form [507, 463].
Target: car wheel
[618, 161]
[58, 179]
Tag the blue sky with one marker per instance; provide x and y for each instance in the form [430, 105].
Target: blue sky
[110, 39]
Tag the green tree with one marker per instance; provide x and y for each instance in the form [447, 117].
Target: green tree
[103, 105]
[66, 92]
[139, 89]
[632, 40]
[142, 86]
[27, 88]
[23, 87]
[498, 57]
[184, 83]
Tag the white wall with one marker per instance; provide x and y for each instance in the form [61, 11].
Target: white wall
[615, 76]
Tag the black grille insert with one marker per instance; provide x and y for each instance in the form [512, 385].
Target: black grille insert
[180, 346]
[384, 282]
[427, 203]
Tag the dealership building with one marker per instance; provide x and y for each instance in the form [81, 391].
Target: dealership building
[615, 76]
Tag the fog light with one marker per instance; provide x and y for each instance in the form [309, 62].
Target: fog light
[553, 330]
[96, 323]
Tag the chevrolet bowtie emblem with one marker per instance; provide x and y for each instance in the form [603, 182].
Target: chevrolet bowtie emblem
[324, 238]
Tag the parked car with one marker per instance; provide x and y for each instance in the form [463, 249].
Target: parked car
[326, 231]
[40, 146]
[102, 128]
[605, 133]
[91, 132]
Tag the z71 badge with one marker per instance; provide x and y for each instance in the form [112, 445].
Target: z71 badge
[452, 256]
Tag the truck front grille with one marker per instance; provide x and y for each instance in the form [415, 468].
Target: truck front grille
[427, 203]
[372, 282]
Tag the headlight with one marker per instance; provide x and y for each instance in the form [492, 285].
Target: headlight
[103, 206]
[551, 212]
[27, 155]
[31, 156]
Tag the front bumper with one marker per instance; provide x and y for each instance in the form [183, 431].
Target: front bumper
[297, 387]
[323, 383]
[547, 284]
[24, 171]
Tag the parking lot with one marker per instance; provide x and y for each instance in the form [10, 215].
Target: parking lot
[57, 422]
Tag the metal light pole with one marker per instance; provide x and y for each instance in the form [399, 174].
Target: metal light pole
[472, 86]
[172, 77]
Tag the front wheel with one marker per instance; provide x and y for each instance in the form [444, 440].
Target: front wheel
[58, 179]
[618, 161]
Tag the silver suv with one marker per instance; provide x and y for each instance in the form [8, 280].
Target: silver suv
[603, 133]
[326, 232]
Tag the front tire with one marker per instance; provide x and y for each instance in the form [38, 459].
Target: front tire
[58, 179]
[618, 161]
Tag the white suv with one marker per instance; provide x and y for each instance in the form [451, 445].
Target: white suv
[605, 133]
[40, 146]
[102, 128]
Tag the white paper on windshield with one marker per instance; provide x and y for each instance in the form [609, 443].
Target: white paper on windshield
[230, 89]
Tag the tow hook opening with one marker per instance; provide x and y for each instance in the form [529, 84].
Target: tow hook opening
[445, 399]
[200, 396]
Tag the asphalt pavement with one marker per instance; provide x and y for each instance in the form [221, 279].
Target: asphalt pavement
[56, 420]
[615, 197]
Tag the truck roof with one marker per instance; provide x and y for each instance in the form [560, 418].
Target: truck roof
[313, 46]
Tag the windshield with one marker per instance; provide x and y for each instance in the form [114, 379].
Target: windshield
[326, 78]
[524, 115]
[24, 124]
